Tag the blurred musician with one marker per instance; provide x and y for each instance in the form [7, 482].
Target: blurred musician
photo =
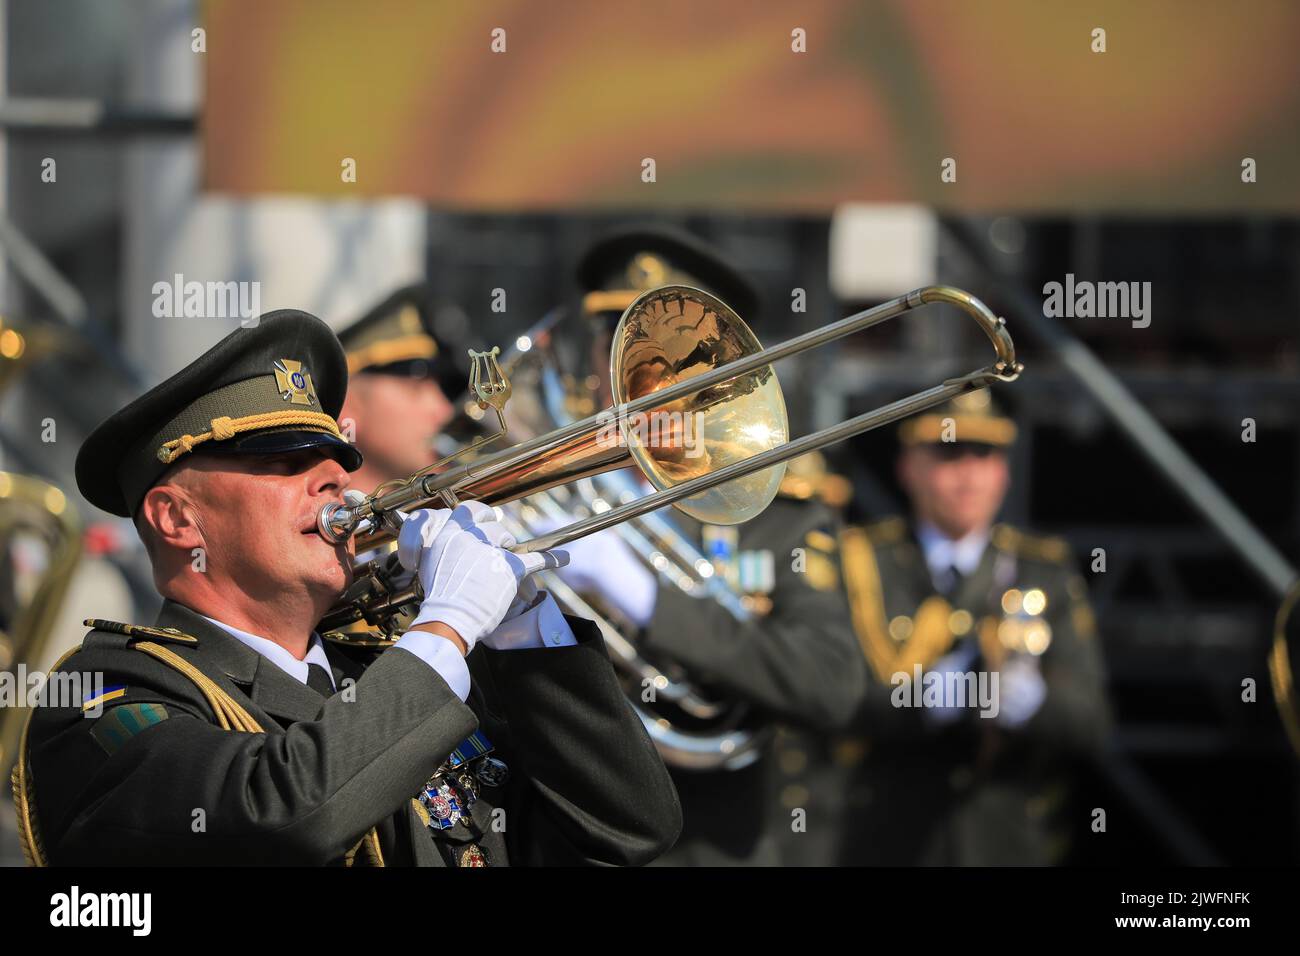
[976, 776]
[403, 380]
[796, 659]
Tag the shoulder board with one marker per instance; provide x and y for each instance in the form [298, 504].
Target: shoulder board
[362, 639]
[1032, 546]
[832, 490]
[821, 540]
[797, 487]
[887, 531]
[142, 632]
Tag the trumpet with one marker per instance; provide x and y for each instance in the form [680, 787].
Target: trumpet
[678, 353]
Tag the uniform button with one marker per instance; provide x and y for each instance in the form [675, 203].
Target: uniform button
[794, 796]
[794, 762]
[851, 751]
[959, 622]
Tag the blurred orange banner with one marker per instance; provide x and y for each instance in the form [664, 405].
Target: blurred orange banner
[515, 105]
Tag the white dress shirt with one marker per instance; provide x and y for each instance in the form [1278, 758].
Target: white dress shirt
[277, 655]
[1021, 687]
[942, 553]
[541, 625]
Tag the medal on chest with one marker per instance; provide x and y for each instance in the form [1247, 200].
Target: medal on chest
[750, 573]
[449, 795]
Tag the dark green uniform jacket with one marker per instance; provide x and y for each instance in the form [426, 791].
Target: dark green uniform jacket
[166, 785]
[798, 663]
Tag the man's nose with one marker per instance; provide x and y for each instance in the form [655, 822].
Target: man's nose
[329, 478]
[434, 400]
[443, 412]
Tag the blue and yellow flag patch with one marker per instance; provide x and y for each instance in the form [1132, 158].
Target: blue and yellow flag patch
[123, 722]
[94, 700]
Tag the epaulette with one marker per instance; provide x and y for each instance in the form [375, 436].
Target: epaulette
[832, 490]
[141, 631]
[362, 639]
[1032, 546]
[887, 531]
[807, 478]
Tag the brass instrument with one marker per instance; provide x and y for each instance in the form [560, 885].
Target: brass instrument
[32, 513]
[37, 511]
[1285, 651]
[678, 355]
[690, 728]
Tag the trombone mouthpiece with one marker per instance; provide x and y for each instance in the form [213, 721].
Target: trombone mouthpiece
[337, 522]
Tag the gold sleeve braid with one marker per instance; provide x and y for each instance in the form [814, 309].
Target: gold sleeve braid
[230, 716]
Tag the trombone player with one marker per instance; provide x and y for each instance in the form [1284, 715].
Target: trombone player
[795, 659]
[492, 731]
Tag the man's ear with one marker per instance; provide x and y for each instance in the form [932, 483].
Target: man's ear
[172, 517]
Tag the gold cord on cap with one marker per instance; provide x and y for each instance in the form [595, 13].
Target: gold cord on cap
[224, 428]
[387, 351]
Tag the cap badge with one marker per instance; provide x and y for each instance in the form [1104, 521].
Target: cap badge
[294, 383]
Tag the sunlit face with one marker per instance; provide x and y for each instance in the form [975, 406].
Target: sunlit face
[958, 490]
[257, 517]
[396, 418]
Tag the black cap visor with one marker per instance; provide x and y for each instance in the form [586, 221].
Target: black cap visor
[442, 371]
[279, 442]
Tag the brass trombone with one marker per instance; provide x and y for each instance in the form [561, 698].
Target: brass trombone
[677, 353]
[691, 727]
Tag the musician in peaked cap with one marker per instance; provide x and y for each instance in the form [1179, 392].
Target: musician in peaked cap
[403, 380]
[230, 732]
[795, 659]
[938, 778]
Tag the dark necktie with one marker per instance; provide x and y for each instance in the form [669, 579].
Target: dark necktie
[955, 580]
[318, 679]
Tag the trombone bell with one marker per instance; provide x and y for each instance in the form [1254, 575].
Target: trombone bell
[672, 335]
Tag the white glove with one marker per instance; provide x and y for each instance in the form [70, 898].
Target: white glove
[469, 582]
[1021, 690]
[603, 565]
[495, 533]
[957, 662]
